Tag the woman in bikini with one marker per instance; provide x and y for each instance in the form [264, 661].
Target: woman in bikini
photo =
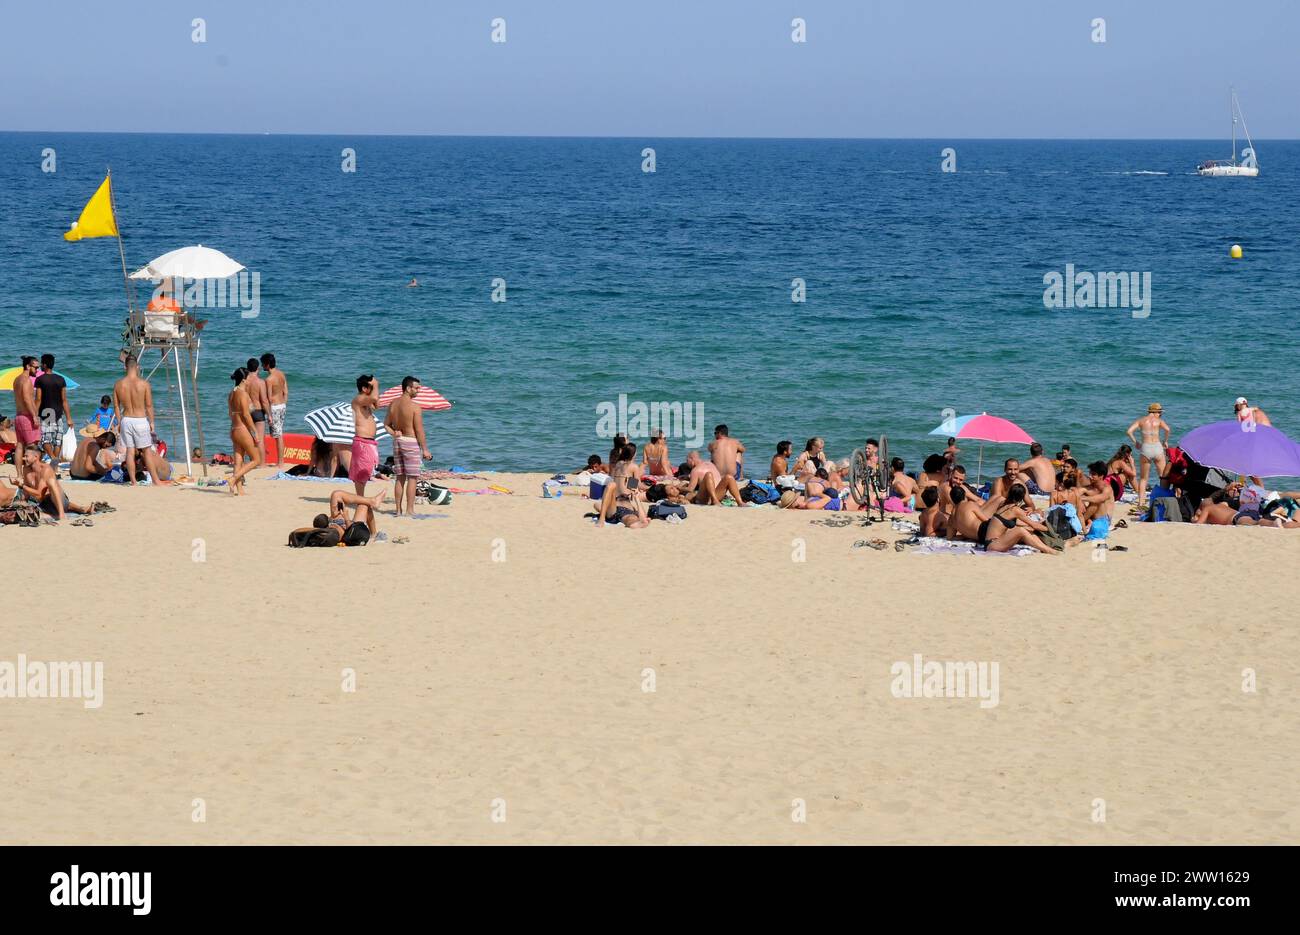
[654, 456]
[1121, 465]
[241, 432]
[623, 501]
[812, 459]
[1004, 526]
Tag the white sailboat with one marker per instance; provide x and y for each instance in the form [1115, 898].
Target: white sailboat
[1230, 168]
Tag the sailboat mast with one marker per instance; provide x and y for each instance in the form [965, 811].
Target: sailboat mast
[1232, 113]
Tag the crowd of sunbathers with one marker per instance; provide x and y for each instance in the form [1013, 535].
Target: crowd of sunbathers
[1000, 516]
[1075, 503]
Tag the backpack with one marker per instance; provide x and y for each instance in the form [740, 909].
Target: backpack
[759, 492]
[1058, 521]
[314, 538]
[665, 510]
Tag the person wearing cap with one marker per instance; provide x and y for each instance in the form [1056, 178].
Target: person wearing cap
[1151, 448]
[1250, 415]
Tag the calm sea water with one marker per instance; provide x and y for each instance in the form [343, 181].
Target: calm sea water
[924, 289]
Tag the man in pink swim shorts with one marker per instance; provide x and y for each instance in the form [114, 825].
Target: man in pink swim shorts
[365, 453]
[27, 423]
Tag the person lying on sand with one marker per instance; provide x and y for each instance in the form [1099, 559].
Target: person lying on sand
[820, 494]
[593, 466]
[1220, 507]
[1281, 510]
[365, 510]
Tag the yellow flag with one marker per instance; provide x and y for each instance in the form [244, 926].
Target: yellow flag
[96, 218]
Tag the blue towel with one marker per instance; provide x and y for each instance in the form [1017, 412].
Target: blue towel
[1099, 529]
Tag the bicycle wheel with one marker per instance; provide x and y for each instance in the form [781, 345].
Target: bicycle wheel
[860, 477]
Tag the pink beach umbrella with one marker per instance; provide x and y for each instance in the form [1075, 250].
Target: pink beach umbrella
[984, 428]
[427, 398]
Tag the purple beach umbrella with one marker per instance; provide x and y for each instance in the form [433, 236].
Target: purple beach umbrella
[1243, 448]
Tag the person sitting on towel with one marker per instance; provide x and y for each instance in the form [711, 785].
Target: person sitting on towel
[94, 457]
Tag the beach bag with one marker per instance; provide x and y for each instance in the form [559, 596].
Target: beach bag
[758, 492]
[314, 538]
[665, 510]
[356, 534]
[433, 493]
[1054, 540]
[1058, 521]
[69, 445]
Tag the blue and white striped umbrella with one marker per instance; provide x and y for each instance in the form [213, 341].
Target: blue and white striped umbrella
[335, 424]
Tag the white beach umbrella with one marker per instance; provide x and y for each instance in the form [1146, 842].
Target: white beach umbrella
[197, 262]
[335, 424]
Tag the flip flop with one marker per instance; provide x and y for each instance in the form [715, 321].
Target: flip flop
[876, 544]
[1122, 524]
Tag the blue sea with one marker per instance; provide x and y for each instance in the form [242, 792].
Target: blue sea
[924, 289]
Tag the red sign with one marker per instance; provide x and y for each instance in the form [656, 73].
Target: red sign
[297, 448]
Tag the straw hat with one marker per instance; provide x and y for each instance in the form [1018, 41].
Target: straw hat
[1155, 407]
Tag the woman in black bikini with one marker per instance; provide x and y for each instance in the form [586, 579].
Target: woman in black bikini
[1004, 526]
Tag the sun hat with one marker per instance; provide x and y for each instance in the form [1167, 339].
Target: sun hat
[1155, 407]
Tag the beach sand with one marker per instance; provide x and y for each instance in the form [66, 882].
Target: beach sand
[522, 680]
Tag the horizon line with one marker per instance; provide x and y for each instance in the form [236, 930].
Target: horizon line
[645, 136]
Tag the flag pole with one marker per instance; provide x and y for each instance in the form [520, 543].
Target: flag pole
[121, 251]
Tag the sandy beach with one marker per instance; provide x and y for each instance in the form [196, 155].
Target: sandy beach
[501, 659]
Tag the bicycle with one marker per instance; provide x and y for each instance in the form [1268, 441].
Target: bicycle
[866, 480]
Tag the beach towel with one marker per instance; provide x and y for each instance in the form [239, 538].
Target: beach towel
[1099, 530]
[932, 545]
[896, 505]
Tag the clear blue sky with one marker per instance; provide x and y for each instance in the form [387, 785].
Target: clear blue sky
[906, 68]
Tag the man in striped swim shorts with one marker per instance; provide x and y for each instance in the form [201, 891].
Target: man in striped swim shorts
[406, 421]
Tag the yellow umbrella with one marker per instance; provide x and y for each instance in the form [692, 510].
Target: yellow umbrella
[7, 378]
